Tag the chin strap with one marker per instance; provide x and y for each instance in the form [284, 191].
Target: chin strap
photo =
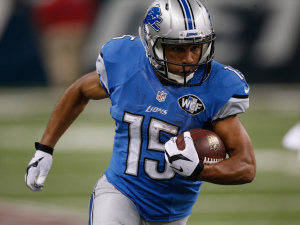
[180, 79]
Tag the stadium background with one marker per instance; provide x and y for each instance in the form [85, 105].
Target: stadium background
[259, 37]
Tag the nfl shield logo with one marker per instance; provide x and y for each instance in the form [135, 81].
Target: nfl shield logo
[161, 96]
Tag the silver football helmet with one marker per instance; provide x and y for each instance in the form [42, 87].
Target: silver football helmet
[178, 22]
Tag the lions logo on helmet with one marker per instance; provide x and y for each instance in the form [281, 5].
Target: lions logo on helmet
[153, 17]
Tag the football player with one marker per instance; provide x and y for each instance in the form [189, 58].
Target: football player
[160, 84]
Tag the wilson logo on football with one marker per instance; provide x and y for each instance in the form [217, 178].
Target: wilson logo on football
[191, 104]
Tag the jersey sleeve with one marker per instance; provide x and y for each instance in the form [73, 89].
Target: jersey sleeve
[119, 60]
[237, 104]
[239, 98]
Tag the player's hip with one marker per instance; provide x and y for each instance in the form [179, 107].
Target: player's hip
[110, 206]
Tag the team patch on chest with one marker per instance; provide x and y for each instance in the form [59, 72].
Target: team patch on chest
[191, 104]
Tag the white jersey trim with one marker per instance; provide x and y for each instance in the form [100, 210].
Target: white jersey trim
[101, 70]
[232, 107]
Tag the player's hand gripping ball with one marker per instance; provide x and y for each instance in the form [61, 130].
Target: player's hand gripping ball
[209, 146]
[187, 153]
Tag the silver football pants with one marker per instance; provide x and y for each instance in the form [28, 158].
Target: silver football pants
[108, 206]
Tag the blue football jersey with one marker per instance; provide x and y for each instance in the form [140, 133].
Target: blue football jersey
[147, 114]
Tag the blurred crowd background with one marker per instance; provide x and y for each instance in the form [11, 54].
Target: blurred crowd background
[53, 42]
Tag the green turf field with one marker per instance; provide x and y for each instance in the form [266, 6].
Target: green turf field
[83, 153]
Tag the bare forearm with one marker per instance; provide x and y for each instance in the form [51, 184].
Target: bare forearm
[70, 105]
[240, 167]
[228, 172]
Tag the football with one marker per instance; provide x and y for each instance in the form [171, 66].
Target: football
[209, 146]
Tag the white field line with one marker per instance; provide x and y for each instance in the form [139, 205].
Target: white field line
[84, 137]
[27, 101]
[77, 138]
[32, 101]
[251, 222]
[278, 161]
[247, 203]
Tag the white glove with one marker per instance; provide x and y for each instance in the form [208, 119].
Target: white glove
[184, 162]
[39, 166]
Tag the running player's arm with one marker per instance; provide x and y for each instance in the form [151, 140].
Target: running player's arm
[240, 167]
[70, 105]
